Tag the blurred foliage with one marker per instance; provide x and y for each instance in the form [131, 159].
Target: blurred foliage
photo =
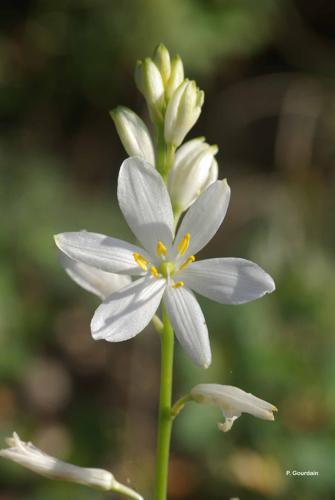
[268, 71]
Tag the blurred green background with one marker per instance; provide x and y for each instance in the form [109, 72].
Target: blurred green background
[268, 70]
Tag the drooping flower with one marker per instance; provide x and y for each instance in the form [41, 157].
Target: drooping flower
[27, 455]
[233, 402]
[165, 266]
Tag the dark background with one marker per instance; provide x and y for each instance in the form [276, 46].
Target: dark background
[268, 71]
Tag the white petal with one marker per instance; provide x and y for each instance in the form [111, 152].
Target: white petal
[228, 281]
[227, 424]
[92, 279]
[128, 311]
[189, 324]
[189, 148]
[100, 251]
[204, 217]
[145, 203]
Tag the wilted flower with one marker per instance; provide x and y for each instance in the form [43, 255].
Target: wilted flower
[182, 112]
[27, 455]
[166, 266]
[133, 133]
[233, 402]
[193, 171]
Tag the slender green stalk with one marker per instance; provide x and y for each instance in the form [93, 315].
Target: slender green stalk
[165, 418]
[165, 153]
[179, 405]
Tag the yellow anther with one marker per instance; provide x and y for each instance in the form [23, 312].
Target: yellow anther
[141, 261]
[178, 284]
[187, 262]
[154, 272]
[184, 244]
[161, 249]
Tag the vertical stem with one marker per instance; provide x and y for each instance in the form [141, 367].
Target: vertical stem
[165, 153]
[164, 419]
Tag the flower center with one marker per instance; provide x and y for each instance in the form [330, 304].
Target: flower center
[166, 268]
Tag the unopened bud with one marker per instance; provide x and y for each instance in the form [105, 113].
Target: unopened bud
[194, 170]
[149, 81]
[176, 76]
[133, 133]
[182, 112]
[162, 60]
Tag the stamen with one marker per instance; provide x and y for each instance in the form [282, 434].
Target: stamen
[184, 244]
[187, 262]
[178, 284]
[141, 261]
[154, 272]
[161, 249]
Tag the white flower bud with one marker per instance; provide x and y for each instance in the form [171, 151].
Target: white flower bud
[233, 402]
[176, 76]
[182, 112]
[149, 81]
[27, 455]
[193, 171]
[162, 60]
[134, 134]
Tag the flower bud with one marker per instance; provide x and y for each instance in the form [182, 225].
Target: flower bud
[149, 81]
[27, 455]
[193, 171]
[162, 60]
[233, 402]
[182, 112]
[134, 134]
[176, 76]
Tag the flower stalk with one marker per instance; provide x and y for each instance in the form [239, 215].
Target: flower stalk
[165, 418]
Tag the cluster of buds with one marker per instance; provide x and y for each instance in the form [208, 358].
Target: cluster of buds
[172, 100]
[174, 105]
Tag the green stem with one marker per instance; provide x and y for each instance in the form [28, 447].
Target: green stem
[165, 418]
[179, 405]
[165, 153]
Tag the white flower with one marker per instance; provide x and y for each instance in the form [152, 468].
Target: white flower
[233, 402]
[133, 133]
[182, 112]
[27, 455]
[165, 266]
[194, 169]
[93, 280]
